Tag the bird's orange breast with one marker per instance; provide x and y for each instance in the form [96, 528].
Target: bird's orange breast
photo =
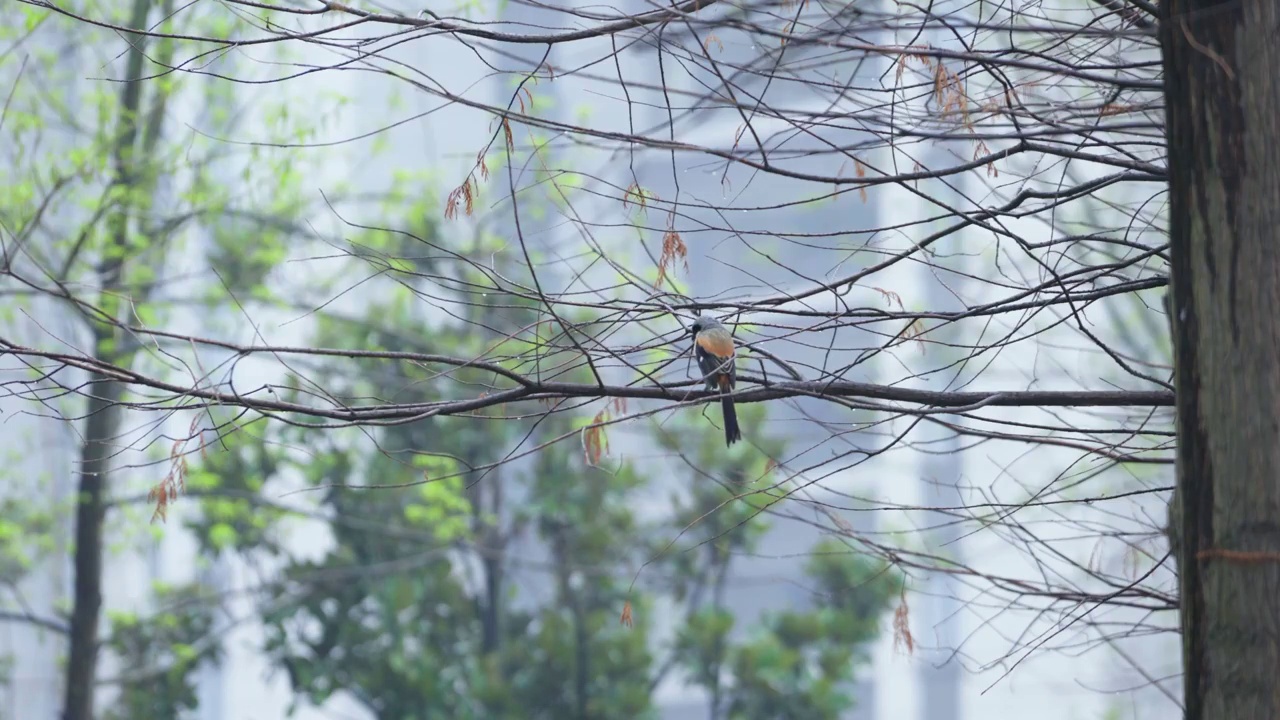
[718, 344]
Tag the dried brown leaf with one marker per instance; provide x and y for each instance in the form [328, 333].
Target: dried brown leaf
[595, 443]
[638, 195]
[902, 636]
[673, 248]
[890, 297]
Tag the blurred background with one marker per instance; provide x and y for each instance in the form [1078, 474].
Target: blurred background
[643, 571]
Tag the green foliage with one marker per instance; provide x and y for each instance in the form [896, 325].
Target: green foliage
[387, 615]
[160, 653]
[106, 194]
[793, 664]
[410, 608]
[442, 507]
[103, 193]
[415, 608]
[431, 641]
[25, 537]
[228, 483]
[799, 664]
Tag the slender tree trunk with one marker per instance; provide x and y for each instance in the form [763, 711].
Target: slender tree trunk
[571, 598]
[494, 542]
[582, 659]
[1222, 93]
[721, 564]
[103, 421]
[90, 511]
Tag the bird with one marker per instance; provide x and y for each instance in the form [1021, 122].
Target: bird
[714, 350]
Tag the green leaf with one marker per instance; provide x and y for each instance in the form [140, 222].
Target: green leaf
[222, 536]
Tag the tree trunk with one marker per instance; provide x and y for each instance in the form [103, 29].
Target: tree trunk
[95, 461]
[495, 545]
[1222, 94]
[103, 421]
[720, 563]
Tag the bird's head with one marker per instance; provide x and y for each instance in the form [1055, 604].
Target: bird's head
[704, 322]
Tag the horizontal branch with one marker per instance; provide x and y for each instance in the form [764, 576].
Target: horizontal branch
[429, 20]
[30, 619]
[533, 390]
[426, 21]
[872, 391]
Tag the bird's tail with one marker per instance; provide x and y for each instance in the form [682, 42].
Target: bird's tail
[731, 432]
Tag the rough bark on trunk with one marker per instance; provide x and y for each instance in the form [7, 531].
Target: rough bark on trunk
[1222, 95]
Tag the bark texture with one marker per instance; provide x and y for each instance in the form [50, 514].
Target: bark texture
[1222, 92]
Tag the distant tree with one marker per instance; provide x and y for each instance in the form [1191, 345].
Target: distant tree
[798, 663]
[421, 607]
[159, 652]
[104, 194]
